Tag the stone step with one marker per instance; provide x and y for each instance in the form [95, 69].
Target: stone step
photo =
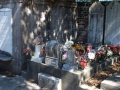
[49, 82]
[111, 83]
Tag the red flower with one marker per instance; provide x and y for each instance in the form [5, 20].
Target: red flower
[43, 51]
[83, 62]
[26, 51]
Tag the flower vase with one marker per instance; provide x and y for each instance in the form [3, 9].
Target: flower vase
[38, 50]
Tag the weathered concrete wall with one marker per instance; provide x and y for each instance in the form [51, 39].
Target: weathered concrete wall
[15, 5]
[63, 21]
[95, 28]
[70, 80]
[54, 20]
[112, 24]
[34, 21]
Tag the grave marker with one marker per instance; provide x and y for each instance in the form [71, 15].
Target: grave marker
[95, 27]
[52, 53]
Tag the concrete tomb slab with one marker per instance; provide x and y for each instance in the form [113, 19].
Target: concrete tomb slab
[50, 82]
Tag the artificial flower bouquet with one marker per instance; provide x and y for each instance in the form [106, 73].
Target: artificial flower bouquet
[115, 49]
[79, 49]
[86, 55]
[68, 45]
[38, 40]
[26, 51]
[100, 53]
[82, 62]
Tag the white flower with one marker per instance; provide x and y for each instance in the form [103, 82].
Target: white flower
[109, 53]
[68, 44]
[91, 54]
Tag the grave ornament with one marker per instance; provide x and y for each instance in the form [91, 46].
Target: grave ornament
[38, 42]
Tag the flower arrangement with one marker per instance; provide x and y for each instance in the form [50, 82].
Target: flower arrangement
[26, 51]
[65, 48]
[85, 54]
[64, 57]
[100, 53]
[38, 40]
[68, 45]
[82, 63]
[39, 47]
[109, 52]
[115, 49]
[79, 50]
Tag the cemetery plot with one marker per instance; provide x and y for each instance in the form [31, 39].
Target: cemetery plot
[79, 62]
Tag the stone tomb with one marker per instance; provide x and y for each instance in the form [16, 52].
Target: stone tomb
[50, 82]
[52, 53]
[70, 80]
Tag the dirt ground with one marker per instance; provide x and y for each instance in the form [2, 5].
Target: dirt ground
[98, 78]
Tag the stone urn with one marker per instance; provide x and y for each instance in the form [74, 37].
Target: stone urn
[38, 50]
[38, 54]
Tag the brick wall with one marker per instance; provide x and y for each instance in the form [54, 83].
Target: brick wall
[83, 11]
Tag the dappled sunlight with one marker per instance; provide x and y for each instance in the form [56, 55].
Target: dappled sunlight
[17, 10]
[112, 27]
[25, 38]
[113, 83]
[54, 33]
[28, 11]
[23, 23]
[116, 37]
[42, 16]
[109, 26]
[38, 16]
[31, 35]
